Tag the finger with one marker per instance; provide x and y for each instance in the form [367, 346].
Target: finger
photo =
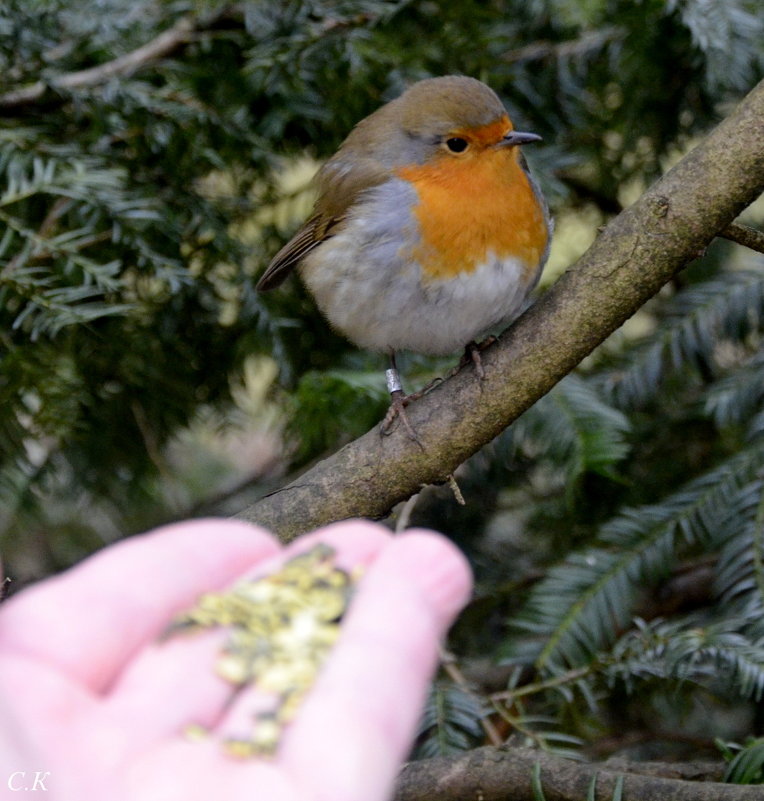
[89, 621]
[37, 704]
[184, 771]
[174, 683]
[358, 722]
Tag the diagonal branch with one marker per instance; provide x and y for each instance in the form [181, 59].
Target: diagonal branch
[635, 255]
[588, 42]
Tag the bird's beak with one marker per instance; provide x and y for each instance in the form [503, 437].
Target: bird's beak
[518, 138]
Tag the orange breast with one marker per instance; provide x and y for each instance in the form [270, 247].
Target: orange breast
[469, 207]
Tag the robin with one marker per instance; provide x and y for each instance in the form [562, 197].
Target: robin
[428, 230]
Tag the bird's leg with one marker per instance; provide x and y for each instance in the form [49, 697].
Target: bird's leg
[398, 402]
[471, 355]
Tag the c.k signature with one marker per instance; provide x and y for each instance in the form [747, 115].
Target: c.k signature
[28, 781]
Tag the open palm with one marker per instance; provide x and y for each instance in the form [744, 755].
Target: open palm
[93, 704]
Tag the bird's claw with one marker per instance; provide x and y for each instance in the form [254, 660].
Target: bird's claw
[398, 404]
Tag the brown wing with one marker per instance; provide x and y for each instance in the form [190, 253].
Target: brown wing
[338, 187]
[290, 255]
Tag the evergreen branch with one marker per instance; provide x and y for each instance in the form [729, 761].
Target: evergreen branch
[103, 275]
[737, 580]
[758, 543]
[696, 319]
[747, 766]
[498, 774]
[719, 655]
[451, 721]
[163, 45]
[453, 671]
[721, 29]
[635, 255]
[738, 396]
[576, 429]
[583, 602]
[601, 587]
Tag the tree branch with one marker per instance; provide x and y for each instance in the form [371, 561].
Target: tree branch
[745, 236]
[587, 42]
[635, 255]
[167, 42]
[181, 33]
[505, 774]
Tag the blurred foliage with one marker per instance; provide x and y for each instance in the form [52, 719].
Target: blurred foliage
[451, 722]
[746, 763]
[137, 208]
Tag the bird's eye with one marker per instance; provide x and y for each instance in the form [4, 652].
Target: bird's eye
[456, 144]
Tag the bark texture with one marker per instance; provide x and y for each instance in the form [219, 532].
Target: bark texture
[506, 774]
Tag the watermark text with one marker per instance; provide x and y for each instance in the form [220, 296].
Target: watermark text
[28, 781]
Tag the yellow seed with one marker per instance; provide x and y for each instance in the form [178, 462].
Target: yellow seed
[232, 668]
[265, 735]
[239, 748]
[281, 629]
[195, 732]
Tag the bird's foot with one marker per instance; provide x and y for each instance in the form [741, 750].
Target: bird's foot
[399, 401]
[472, 356]
[473, 351]
[398, 404]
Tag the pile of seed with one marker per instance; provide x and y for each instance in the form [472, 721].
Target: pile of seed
[282, 627]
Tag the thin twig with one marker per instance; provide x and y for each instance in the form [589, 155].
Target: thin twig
[744, 235]
[402, 523]
[530, 689]
[213, 504]
[150, 441]
[457, 677]
[592, 40]
[454, 487]
[86, 242]
[46, 250]
[59, 208]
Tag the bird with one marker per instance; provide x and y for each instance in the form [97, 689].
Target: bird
[428, 230]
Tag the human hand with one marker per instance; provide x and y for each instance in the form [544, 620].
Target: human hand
[92, 704]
